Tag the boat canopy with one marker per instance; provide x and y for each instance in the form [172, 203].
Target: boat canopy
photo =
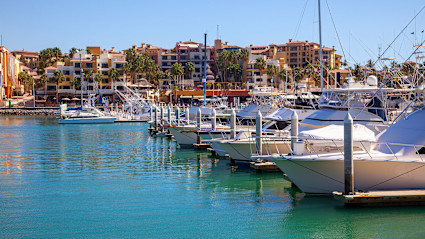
[336, 132]
[252, 110]
[409, 130]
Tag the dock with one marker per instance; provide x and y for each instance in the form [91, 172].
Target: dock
[383, 198]
[201, 146]
[265, 166]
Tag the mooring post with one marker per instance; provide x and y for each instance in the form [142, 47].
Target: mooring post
[259, 133]
[294, 129]
[348, 155]
[198, 119]
[187, 115]
[169, 115]
[233, 124]
[177, 113]
[162, 114]
[214, 120]
[156, 119]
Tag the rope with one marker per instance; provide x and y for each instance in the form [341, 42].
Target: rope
[336, 31]
[395, 177]
[300, 20]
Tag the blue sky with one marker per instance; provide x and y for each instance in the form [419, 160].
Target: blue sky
[362, 25]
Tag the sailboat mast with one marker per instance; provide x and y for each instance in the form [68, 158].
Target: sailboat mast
[205, 69]
[321, 52]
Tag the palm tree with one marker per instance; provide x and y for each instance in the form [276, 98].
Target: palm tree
[189, 68]
[260, 64]
[113, 75]
[177, 70]
[98, 78]
[72, 51]
[23, 79]
[59, 77]
[57, 53]
[88, 51]
[76, 83]
[272, 71]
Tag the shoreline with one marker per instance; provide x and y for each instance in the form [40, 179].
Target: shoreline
[46, 111]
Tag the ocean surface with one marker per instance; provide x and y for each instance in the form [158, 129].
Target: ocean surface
[116, 181]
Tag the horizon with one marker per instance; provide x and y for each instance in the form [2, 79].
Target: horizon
[128, 24]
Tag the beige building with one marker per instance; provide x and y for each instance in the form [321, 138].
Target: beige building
[301, 53]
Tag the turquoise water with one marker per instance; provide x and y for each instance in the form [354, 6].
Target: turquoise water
[115, 181]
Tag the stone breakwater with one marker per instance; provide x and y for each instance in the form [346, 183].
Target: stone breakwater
[29, 111]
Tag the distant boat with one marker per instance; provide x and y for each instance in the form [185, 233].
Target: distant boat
[84, 115]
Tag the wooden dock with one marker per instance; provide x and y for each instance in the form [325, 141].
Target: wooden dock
[265, 166]
[383, 198]
[201, 146]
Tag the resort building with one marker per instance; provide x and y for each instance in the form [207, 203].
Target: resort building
[302, 53]
[28, 58]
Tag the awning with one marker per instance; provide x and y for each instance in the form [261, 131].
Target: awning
[66, 99]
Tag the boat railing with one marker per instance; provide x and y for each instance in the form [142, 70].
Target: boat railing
[315, 148]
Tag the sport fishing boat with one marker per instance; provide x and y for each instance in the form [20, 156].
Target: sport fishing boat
[395, 161]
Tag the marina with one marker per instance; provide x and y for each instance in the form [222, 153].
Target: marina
[54, 175]
[145, 129]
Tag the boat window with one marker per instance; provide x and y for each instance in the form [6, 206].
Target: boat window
[421, 151]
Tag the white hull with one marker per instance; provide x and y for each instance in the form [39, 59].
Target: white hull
[326, 176]
[242, 150]
[99, 120]
[185, 136]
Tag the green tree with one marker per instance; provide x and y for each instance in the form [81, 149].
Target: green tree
[189, 68]
[76, 83]
[72, 52]
[59, 77]
[272, 72]
[177, 70]
[113, 75]
[260, 64]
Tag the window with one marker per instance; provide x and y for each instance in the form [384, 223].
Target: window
[106, 81]
[196, 58]
[164, 57]
[89, 65]
[105, 65]
[197, 70]
[51, 87]
[118, 65]
[183, 57]
[77, 65]
[164, 63]
[293, 60]
[293, 54]
[173, 57]
[66, 72]
[77, 72]
[67, 79]
[51, 79]
[105, 73]
[90, 87]
[316, 52]
[293, 48]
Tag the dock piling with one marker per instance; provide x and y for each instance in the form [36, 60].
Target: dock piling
[214, 120]
[233, 124]
[294, 130]
[259, 133]
[348, 155]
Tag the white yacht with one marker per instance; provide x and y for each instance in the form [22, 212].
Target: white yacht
[395, 162]
[84, 115]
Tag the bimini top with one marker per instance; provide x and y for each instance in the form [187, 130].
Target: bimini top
[408, 130]
[336, 132]
[251, 111]
[282, 114]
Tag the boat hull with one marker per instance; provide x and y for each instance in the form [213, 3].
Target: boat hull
[243, 150]
[326, 176]
[103, 120]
